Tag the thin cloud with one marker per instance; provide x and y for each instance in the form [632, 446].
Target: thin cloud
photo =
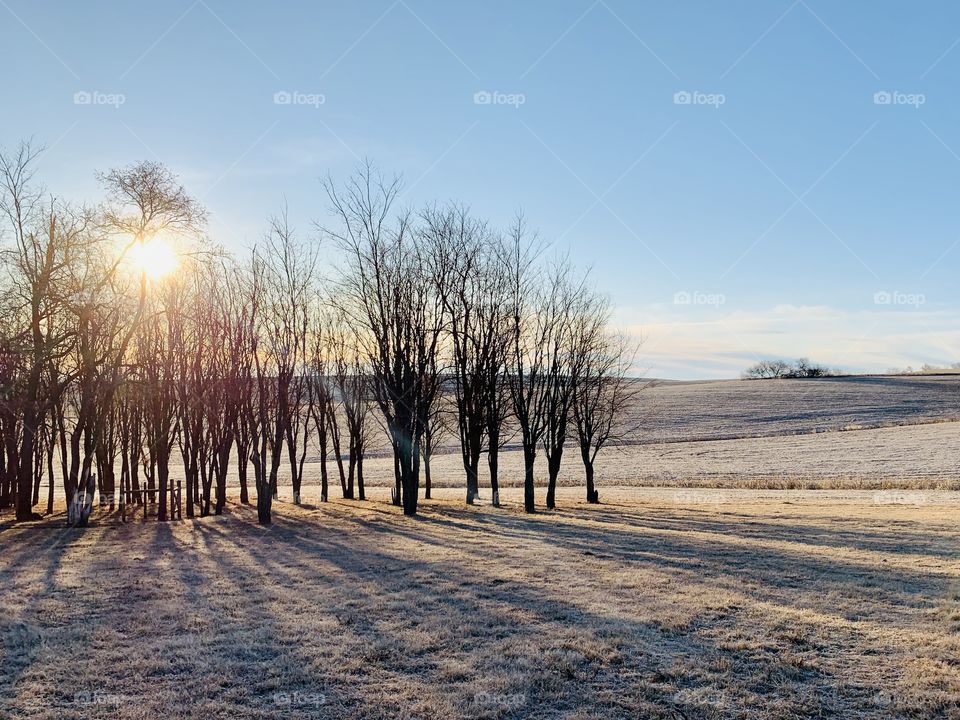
[724, 343]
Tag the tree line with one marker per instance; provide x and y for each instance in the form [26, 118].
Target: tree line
[418, 324]
[782, 369]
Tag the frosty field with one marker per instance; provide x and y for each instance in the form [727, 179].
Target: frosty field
[809, 568]
[856, 432]
[826, 605]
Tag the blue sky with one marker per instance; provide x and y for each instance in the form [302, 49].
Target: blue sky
[746, 179]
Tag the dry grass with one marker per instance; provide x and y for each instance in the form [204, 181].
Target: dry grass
[815, 606]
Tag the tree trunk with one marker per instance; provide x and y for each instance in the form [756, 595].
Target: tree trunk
[81, 504]
[529, 458]
[494, 463]
[264, 496]
[223, 466]
[107, 478]
[426, 476]
[592, 495]
[163, 475]
[50, 476]
[25, 469]
[276, 454]
[338, 454]
[397, 477]
[408, 463]
[295, 477]
[4, 477]
[472, 468]
[351, 469]
[410, 483]
[37, 472]
[360, 491]
[324, 477]
[206, 477]
[243, 461]
[553, 469]
[264, 503]
[190, 471]
[152, 481]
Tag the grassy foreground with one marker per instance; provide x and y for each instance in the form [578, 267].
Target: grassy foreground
[627, 609]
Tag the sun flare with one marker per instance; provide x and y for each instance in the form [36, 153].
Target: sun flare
[155, 258]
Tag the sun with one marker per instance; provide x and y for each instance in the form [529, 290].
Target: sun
[155, 258]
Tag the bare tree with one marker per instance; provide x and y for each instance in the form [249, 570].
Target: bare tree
[438, 322]
[497, 413]
[534, 325]
[435, 428]
[145, 200]
[604, 394]
[226, 402]
[387, 293]
[11, 378]
[321, 393]
[565, 317]
[264, 429]
[38, 264]
[287, 269]
[157, 359]
[352, 389]
[468, 271]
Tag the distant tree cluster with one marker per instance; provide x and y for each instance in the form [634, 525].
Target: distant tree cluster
[427, 322]
[771, 369]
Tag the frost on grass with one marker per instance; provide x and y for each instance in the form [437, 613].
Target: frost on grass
[636, 608]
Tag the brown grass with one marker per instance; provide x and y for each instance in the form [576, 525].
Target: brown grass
[641, 607]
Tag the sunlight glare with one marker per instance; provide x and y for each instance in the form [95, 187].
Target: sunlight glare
[155, 258]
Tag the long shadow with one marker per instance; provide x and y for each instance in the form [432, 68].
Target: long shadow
[363, 557]
[777, 578]
[212, 567]
[788, 528]
[390, 575]
[381, 575]
[49, 544]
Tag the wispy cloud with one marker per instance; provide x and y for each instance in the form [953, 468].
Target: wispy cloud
[721, 344]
